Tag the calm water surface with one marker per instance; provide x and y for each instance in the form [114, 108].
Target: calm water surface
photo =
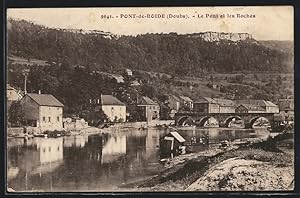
[98, 162]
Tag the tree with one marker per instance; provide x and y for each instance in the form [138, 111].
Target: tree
[94, 117]
[16, 115]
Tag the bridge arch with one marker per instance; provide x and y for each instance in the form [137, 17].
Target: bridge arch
[184, 120]
[201, 122]
[252, 120]
[229, 119]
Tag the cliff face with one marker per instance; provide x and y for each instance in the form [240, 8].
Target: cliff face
[217, 36]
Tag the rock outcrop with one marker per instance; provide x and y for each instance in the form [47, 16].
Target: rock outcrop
[217, 36]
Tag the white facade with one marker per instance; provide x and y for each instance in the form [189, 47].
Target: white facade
[115, 112]
[50, 118]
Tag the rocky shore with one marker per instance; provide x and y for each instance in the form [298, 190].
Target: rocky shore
[259, 166]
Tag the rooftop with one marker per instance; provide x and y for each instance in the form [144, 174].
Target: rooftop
[185, 98]
[110, 100]
[206, 100]
[224, 102]
[178, 137]
[147, 101]
[252, 107]
[45, 99]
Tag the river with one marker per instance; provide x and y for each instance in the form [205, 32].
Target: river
[98, 162]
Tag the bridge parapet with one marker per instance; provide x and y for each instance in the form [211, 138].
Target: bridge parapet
[223, 118]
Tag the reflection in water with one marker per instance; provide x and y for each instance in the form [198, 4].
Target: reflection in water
[100, 162]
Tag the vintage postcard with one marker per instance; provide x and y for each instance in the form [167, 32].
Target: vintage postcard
[150, 99]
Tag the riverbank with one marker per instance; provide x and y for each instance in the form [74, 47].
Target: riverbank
[257, 166]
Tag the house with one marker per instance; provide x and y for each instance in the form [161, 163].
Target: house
[173, 102]
[249, 108]
[173, 142]
[135, 83]
[113, 108]
[225, 105]
[286, 108]
[12, 94]
[128, 72]
[43, 111]
[149, 108]
[186, 103]
[118, 78]
[74, 124]
[206, 105]
[268, 106]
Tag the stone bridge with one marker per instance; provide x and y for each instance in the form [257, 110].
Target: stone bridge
[223, 119]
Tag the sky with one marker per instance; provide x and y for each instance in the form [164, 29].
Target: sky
[269, 23]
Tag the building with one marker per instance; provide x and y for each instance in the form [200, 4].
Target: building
[173, 142]
[128, 72]
[268, 106]
[206, 105]
[43, 111]
[12, 94]
[135, 83]
[149, 108]
[286, 108]
[113, 108]
[225, 105]
[173, 102]
[249, 108]
[74, 124]
[186, 103]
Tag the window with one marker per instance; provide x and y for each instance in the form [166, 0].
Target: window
[150, 107]
[49, 149]
[44, 119]
[57, 118]
[49, 119]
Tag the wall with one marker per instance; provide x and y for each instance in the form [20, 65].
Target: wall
[12, 95]
[241, 109]
[201, 107]
[227, 109]
[15, 131]
[174, 104]
[144, 124]
[271, 109]
[113, 111]
[213, 108]
[55, 115]
[30, 108]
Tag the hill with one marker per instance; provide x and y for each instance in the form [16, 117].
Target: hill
[192, 54]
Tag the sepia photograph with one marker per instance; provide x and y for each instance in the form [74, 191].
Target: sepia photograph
[150, 99]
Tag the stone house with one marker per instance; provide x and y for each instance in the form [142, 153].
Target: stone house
[206, 105]
[249, 108]
[186, 102]
[149, 108]
[113, 108]
[286, 108]
[268, 106]
[173, 102]
[225, 105]
[12, 94]
[43, 111]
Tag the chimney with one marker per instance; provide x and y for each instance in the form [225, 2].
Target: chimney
[40, 92]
